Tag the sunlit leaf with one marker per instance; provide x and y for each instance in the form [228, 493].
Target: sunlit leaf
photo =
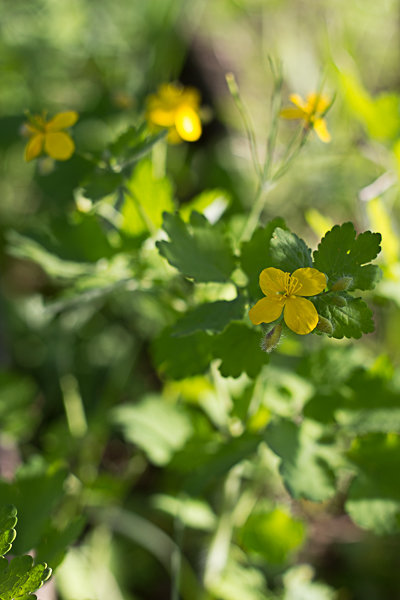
[158, 428]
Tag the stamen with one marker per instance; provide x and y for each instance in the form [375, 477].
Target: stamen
[293, 286]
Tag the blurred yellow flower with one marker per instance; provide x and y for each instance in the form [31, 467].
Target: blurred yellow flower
[47, 136]
[177, 108]
[283, 292]
[310, 112]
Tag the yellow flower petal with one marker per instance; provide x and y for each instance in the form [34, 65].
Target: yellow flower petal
[321, 130]
[300, 315]
[34, 147]
[312, 281]
[59, 145]
[160, 114]
[62, 121]
[267, 310]
[273, 280]
[293, 113]
[316, 103]
[188, 124]
[191, 97]
[298, 101]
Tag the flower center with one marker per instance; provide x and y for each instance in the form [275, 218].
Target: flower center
[292, 285]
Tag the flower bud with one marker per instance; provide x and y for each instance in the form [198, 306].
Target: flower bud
[272, 338]
[342, 284]
[324, 325]
[338, 301]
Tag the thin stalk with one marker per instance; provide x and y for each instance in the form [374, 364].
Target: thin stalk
[256, 210]
[176, 558]
[286, 164]
[220, 544]
[234, 90]
[159, 158]
[275, 111]
[73, 406]
[265, 180]
[155, 541]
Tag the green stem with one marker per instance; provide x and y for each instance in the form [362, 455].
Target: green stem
[234, 90]
[220, 545]
[73, 406]
[155, 541]
[159, 159]
[176, 558]
[256, 210]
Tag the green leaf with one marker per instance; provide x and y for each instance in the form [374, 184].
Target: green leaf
[36, 490]
[350, 320]
[179, 357]
[55, 541]
[289, 252]
[306, 463]
[17, 395]
[299, 585]
[147, 198]
[272, 534]
[20, 577]
[8, 520]
[366, 402]
[238, 347]
[193, 512]
[211, 316]
[256, 256]
[239, 582]
[134, 143]
[101, 183]
[199, 251]
[158, 428]
[56, 267]
[342, 254]
[374, 496]
[206, 460]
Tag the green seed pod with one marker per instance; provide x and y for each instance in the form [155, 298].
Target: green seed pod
[338, 301]
[342, 284]
[324, 325]
[271, 339]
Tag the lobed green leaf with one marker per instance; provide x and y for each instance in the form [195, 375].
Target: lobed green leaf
[179, 357]
[350, 320]
[256, 254]
[210, 316]
[342, 254]
[8, 520]
[288, 251]
[20, 577]
[199, 250]
[238, 347]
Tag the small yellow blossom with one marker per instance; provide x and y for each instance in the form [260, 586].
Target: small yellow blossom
[176, 108]
[310, 112]
[283, 292]
[47, 136]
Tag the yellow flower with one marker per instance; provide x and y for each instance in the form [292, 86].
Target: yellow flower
[48, 136]
[310, 112]
[284, 293]
[177, 108]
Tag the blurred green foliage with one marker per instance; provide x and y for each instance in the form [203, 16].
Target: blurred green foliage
[140, 421]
